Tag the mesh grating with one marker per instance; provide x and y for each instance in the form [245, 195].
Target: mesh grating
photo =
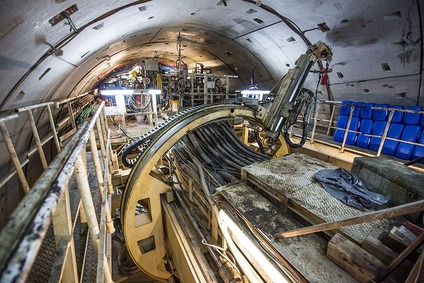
[292, 176]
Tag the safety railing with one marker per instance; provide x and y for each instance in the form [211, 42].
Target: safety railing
[327, 126]
[40, 142]
[47, 203]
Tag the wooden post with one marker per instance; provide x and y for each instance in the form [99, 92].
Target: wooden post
[14, 156]
[37, 139]
[367, 217]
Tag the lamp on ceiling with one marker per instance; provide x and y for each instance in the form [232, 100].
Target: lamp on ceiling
[254, 93]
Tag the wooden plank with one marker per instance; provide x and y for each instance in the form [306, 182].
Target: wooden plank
[385, 254]
[400, 236]
[417, 273]
[400, 258]
[367, 217]
[67, 135]
[379, 250]
[405, 234]
[356, 261]
[414, 228]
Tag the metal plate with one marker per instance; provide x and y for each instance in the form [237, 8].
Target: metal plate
[292, 175]
[306, 253]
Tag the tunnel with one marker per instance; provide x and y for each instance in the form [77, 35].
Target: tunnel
[56, 52]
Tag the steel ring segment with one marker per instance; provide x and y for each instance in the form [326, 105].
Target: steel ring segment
[142, 186]
[143, 141]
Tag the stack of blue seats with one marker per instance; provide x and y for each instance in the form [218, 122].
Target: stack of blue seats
[408, 127]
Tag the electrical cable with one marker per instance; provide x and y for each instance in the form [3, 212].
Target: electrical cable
[219, 250]
[304, 102]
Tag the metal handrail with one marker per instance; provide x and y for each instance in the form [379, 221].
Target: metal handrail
[23, 234]
[347, 130]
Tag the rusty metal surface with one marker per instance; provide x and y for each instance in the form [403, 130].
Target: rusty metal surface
[292, 176]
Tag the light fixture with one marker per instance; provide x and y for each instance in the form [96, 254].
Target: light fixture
[114, 92]
[254, 93]
[154, 91]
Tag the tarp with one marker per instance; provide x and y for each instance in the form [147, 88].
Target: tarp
[349, 189]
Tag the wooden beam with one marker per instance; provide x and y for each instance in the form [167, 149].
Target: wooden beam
[367, 217]
[417, 274]
[360, 264]
[400, 258]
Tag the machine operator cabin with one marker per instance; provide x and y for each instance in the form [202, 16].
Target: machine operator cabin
[212, 141]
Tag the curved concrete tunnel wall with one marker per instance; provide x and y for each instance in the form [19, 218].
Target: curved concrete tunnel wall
[377, 49]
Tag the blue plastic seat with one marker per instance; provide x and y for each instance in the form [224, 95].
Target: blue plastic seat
[363, 140]
[377, 130]
[357, 109]
[345, 108]
[412, 118]
[342, 123]
[366, 111]
[390, 146]
[397, 116]
[410, 133]
[419, 150]
[422, 120]
[379, 115]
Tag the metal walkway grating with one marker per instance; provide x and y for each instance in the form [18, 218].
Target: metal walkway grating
[47, 255]
[290, 179]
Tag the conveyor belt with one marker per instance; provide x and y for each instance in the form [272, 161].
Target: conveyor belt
[290, 180]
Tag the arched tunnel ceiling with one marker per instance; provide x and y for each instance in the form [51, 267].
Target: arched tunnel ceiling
[377, 44]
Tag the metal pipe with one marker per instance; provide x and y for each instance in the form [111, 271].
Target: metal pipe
[183, 203]
[100, 180]
[90, 212]
[9, 117]
[101, 140]
[315, 123]
[71, 99]
[35, 106]
[71, 114]
[386, 130]
[349, 120]
[14, 156]
[331, 120]
[37, 138]
[53, 128]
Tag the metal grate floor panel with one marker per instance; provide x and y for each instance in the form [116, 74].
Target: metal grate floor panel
[292, 176]
[47, 255]
[306, 253]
